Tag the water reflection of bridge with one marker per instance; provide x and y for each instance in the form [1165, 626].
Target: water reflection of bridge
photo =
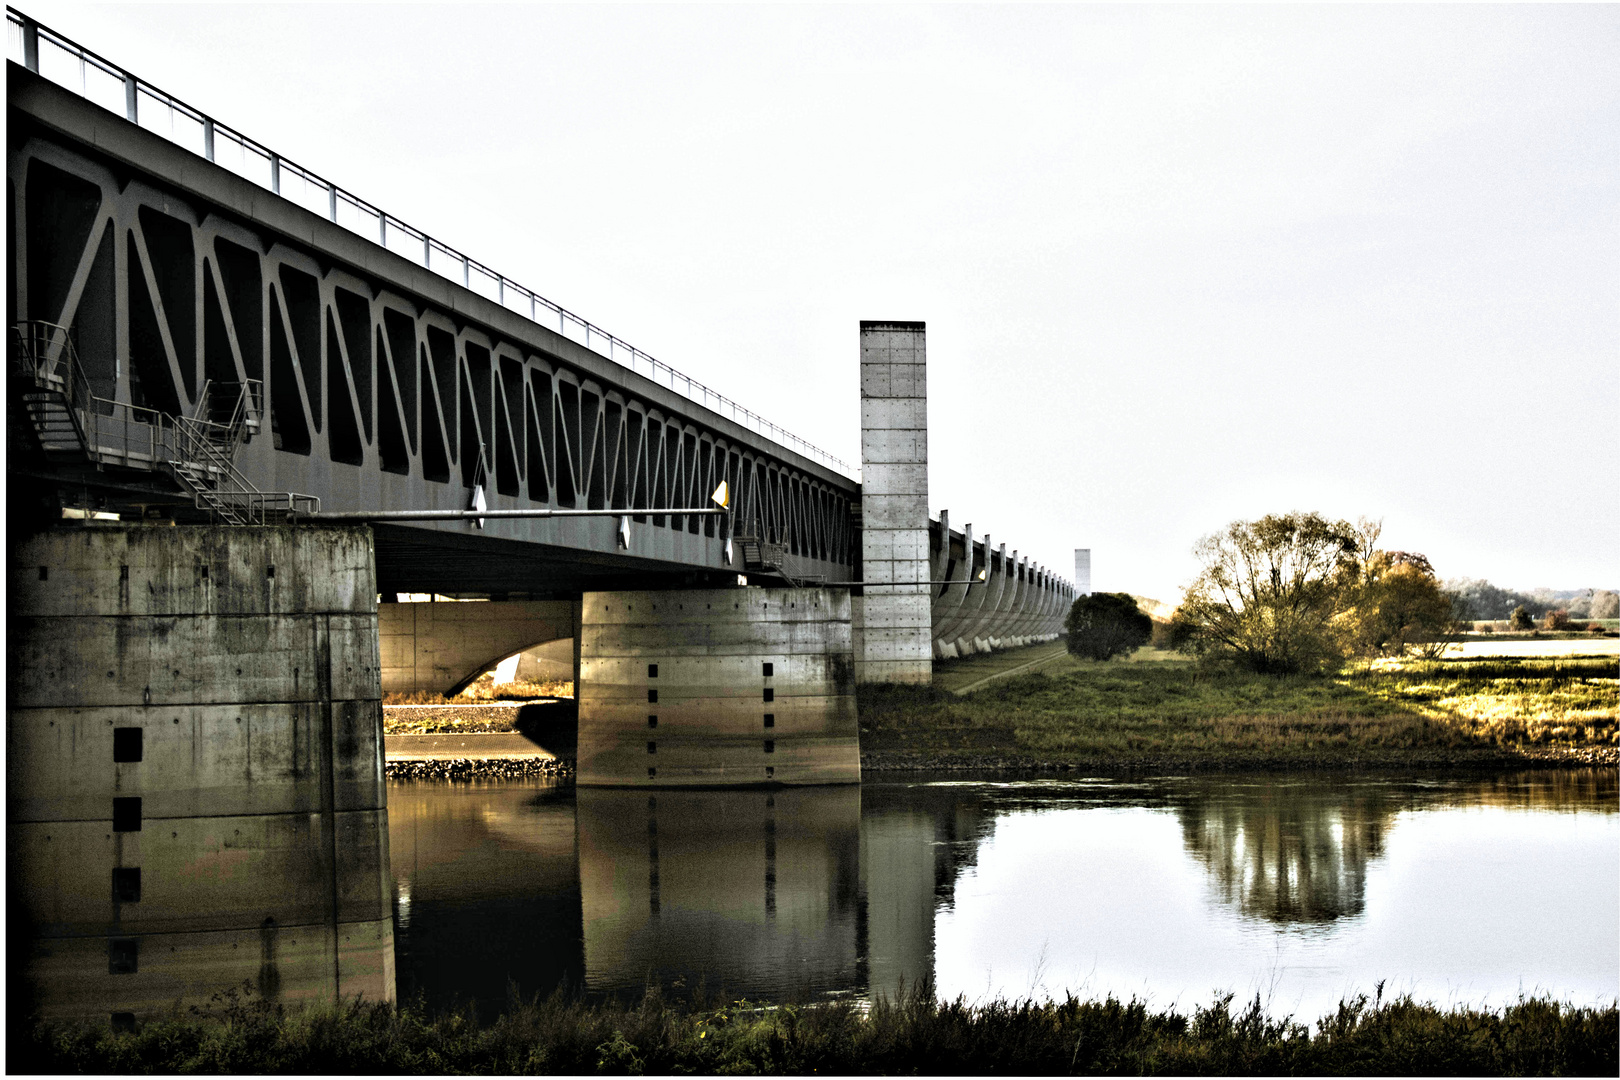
[817, 892]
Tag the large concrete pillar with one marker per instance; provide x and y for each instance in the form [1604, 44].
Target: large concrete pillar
[726, 687]
[1082, 571]
[893, 642]
[194, 768]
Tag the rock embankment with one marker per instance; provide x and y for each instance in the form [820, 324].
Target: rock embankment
[478, 768]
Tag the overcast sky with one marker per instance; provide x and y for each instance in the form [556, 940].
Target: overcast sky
[1179, 265]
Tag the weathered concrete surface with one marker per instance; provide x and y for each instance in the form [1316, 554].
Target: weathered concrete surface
[892, 638]
[439, 648]
[551, 662]
[720, 686]
[1082, 571]
[225, 683]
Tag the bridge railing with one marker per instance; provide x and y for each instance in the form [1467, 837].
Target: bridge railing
[97, 79]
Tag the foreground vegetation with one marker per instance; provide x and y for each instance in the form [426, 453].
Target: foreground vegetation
[1170, 710]
[916, 1035]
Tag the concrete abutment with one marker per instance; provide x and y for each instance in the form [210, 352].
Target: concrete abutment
[195, 768]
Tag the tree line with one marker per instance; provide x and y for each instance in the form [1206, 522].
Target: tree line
[1299, 592]
[1482, 600]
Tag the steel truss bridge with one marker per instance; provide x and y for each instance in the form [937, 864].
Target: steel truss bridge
[203, 329]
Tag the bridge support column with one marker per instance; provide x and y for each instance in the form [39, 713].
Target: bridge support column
[893, 624]
[728, 687]
[194, 768]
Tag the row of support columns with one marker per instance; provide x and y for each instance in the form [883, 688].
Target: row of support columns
[1015, 603]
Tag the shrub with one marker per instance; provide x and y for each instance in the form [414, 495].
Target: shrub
[1556, 620]
[1104, 625]
[1520, 619]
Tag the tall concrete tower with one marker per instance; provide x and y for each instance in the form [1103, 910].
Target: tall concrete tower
[891, 622]
[1082, 571]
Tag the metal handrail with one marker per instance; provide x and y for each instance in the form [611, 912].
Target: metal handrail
[203, 135]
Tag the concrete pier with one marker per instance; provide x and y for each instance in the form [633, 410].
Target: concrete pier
[893, 641]
[717, 687]
[1082, 571]
[194, 768]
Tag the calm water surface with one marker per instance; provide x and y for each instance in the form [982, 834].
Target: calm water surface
[1303, 888]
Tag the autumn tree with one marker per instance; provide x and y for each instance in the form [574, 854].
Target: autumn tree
[1271, 592]
[1297, 592]
[1397, 604]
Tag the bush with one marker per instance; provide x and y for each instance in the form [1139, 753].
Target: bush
[1101, 626]
[1556, 620]
[1520, 619]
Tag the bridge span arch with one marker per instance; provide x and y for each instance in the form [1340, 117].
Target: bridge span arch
[440, 647]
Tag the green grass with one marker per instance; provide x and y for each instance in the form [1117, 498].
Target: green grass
[1083, 711]
[915, 1035]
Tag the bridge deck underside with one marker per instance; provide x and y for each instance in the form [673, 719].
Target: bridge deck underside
[417, 560]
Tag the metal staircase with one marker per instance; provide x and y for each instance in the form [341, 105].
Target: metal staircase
[197, 452]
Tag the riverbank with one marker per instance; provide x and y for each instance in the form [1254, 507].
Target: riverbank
[1158, 711]
[1040, 710]
[916, 1035]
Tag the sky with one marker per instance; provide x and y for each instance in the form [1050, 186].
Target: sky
[1180, 266]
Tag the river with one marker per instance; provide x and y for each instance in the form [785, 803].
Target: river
[1303, 888]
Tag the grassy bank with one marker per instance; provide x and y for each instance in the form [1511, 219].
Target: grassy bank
[1170, 711]
[917, 1035]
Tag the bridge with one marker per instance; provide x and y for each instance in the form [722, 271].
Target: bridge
[250, 409]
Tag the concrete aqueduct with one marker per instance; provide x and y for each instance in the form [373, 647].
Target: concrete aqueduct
[216, 355]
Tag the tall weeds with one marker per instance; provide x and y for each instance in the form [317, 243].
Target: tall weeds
[913, 1034]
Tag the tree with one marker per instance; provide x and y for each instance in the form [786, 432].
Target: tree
[1272, 592]
[1521, 620]
[1605, 605]
[1104, 625]
[1398, 605]
[1296, 592]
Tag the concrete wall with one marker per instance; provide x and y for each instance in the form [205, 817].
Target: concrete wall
[717, 686]
[892, 639]
[194, 767]
[551, 662]
[438, 648]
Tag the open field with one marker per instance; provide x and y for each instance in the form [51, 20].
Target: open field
[1157, 708]
[915, 1035]
[1525, 645]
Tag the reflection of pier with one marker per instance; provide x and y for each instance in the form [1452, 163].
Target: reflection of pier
[486, 890]
[754, 892]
